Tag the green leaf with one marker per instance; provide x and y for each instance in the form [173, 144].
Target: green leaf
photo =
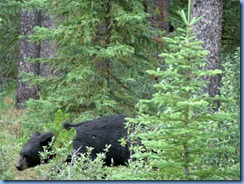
[183, 16]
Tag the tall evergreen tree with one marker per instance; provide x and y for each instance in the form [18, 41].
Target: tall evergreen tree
[104, 47]
[181, 138]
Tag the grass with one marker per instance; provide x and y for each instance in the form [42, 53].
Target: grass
[11, 138]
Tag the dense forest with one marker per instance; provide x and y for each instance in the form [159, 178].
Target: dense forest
[171, 66]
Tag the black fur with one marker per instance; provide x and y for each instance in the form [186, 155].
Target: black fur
[95, 133]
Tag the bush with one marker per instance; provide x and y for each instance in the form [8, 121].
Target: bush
[79, 167]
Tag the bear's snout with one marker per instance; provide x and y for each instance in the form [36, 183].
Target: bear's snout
[21, 165]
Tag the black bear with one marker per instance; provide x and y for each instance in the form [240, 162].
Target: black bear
[95, 133]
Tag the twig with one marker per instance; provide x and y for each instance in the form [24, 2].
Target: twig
[71, 163]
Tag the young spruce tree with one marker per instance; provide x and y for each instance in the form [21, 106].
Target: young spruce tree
[182, 140]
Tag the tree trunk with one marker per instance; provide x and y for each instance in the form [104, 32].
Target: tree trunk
[25, 90]
[208, 29]
[28, 20]
[47, 48]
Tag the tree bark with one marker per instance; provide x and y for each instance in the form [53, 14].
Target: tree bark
[28, 20]
[47, 48]
[25, 90]
[209, 29]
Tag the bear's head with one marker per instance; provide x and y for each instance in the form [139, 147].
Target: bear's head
[30, 153]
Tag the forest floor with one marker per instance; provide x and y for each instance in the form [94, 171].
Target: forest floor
[11, 142]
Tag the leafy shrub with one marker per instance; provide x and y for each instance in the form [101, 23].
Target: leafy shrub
[79, 166]
[230, 88]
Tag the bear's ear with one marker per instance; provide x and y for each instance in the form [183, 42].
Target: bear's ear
[46, 138]
[36, 134]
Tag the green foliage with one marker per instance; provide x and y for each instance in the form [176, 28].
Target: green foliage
[182, 139]
[8, 43]
[230, 82]
[7, 97]
[230, 88]
[174, 7]
[63, 136]
[231, 29]
[6, 150]
[104, 47]
[134, 171]
[103, 51]
[80, 167]
[10, 131]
